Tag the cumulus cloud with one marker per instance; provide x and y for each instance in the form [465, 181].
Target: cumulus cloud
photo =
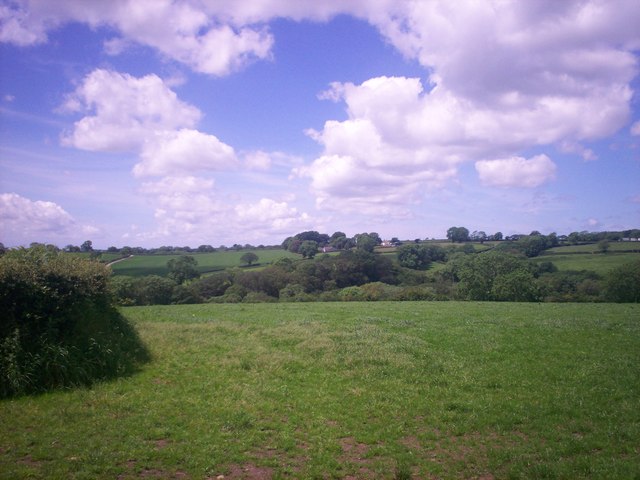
[572, 147]
[124, 111]
[187, 32]
[24, 218]
[181, 151]
[516, 171]
[504, 77]
[191, 208]
[270, 215]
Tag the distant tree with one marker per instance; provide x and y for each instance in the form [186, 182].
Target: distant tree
[603, 246]
[249, 258]
[87, 246]
[308, 249]
[622, 284]
[376, 237]
[478, 236]
[366, 242]
[154, 290]
[206, 249]
[419, 257]
[112, 249]
[182, 269]
[458, 234]
[490, 276]
[497, 236]
[339, 241]
[3, 249]
[413, 256]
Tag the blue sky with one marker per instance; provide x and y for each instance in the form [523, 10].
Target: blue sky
[158, 122]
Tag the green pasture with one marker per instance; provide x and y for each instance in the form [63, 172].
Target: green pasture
[593, 248]
[139, 265]
[599, 263]
[350, 390]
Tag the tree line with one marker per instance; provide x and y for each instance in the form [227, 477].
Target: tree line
[415, 271]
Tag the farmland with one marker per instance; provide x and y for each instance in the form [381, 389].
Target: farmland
[599, 263]
[138, 265]
[335, 390]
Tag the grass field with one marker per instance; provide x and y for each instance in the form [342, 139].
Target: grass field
[593, 248]
[207, 262]
[599, 263]
[334, 390]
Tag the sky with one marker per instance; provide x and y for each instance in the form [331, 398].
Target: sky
[191, 122]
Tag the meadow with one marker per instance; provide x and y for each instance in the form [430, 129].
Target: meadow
[350, 390]
[139, 265]
[601, 263]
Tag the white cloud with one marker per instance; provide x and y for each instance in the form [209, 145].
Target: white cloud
[183, 151]
[192, 209]
[257, 160]
[270, 216]
[187, 31]
[14, 28]
[504, 77]
[516, 171]
[635, 129]
[573, 147]
[22, 218]
[126, 111]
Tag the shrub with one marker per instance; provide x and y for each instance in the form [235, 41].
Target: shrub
[623, 283]
[258, 297]
[59, 328]
[352, 294]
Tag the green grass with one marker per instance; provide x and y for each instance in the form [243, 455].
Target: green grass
[593, 248]
[599, 263]
[139, 265]
[385, 390]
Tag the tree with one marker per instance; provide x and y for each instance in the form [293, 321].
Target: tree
[622, 284]
[479, 236]
[87, 246]
[367, 241]
[308, 249]
[419, 257]
[488, 276]
[458, 234]
[248, 258]
[603, 246]
[182, 269]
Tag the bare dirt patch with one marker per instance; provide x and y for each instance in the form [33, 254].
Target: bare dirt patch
[29, 461]
[248, 471]
[162, 443]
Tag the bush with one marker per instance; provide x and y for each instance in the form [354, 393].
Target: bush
[59, 328]
[623, 283]
[352, 294]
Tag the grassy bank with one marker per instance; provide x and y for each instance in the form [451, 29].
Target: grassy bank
[391, 390]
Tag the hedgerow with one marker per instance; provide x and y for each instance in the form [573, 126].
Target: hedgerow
[59, 327]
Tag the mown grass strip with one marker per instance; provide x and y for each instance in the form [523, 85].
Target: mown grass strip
[451, 390]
